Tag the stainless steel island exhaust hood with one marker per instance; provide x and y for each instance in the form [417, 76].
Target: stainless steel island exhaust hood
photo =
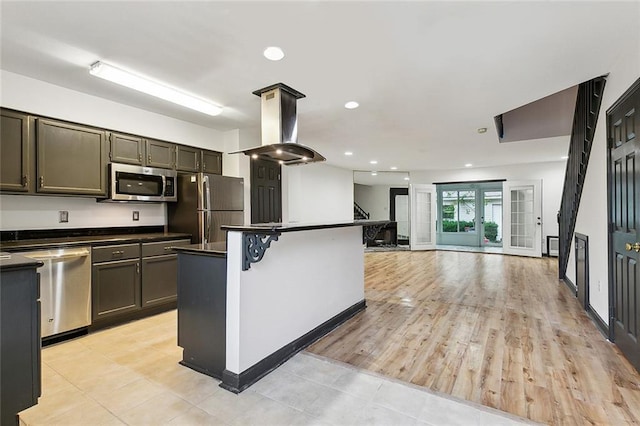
[280, 128]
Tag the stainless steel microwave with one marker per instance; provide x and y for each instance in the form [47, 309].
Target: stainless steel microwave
[137, 183]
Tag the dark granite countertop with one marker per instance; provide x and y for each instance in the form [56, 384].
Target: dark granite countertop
[209, 249]
[10, 261]
[289, 227]
[95, 240]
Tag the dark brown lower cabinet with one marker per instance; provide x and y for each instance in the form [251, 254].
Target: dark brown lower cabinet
[160, 272]
[133, 280]
[20, 376]
[115, 288]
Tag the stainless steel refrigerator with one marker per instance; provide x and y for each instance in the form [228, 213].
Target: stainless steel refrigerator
[206, 202]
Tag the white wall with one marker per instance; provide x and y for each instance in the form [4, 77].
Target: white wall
[20, 212]
[325, 276]
[314, 193]
[592, 213]
[42, 98]
[374, 199]
[552, 175]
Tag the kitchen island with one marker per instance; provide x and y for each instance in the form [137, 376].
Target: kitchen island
[285, 286]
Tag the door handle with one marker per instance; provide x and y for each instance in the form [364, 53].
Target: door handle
[634, 246]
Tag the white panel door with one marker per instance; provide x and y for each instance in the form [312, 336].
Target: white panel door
[522, 231]
[423, 217]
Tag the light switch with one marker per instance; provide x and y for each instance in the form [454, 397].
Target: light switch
[63, 216]
[136, 215]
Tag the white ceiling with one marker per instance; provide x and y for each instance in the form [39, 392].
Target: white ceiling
[426, 74]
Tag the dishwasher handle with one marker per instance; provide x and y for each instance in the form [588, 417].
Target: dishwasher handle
[67, 255]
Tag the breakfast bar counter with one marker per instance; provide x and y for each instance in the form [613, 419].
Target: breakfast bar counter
[285, 286]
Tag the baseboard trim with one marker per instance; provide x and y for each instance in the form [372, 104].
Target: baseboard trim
[599, 322]
[236, 383]
[571, 285]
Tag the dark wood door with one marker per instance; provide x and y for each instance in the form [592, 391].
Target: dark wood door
[266, 192]
[623, 126]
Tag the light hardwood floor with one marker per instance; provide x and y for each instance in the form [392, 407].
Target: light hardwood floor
[501, 331]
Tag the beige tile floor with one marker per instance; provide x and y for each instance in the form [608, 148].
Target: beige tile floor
[130, 375]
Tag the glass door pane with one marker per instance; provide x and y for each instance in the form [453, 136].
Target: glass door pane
[492, 218]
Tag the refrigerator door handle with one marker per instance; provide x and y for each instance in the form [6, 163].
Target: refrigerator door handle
[206, 204]
[207, 192]
[207, 227]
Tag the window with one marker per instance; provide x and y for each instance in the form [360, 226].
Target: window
[459, 211]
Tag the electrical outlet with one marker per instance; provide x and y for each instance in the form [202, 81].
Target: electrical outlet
[136, 215]
[63, 216]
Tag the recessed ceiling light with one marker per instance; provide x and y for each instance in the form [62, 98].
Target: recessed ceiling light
[273, 53]
[468, 165]
[351, 105]
[407, 178]
[393, 168]
[374, 173]
[348, 153]
[482, 130]
[564, 157]
[373, 162]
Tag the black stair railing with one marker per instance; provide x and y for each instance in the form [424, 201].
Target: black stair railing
[584, 126]
[358, 212]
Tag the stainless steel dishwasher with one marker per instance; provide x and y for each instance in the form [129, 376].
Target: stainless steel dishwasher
[65, 288]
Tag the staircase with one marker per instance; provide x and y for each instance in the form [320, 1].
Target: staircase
[359, 213]
[584, 127]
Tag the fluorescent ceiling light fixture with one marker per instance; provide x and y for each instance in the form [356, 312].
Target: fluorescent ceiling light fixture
[136, 82]
[273, 53]
[348, 153]
[393, 168]
[373, 162]
[351, 105]
[468, 165]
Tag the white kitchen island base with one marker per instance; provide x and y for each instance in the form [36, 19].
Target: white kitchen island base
[287, 285]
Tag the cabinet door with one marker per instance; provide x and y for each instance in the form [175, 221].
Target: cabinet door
[14, 152]
[159, 279]
[160, 154]
[115, 288]
[126, 149]
[187, 159]
[212, 162]
[71, 159]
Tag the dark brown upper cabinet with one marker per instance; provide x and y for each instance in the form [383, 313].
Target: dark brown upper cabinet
[127, 149]
[16, 152]
[160, 154]
[71, 159]
[211, 162]
[187, 159]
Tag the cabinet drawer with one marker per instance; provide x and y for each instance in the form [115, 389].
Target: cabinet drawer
[118, 252]
[162, 247]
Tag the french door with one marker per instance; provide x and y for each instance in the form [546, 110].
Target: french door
[522, 231]
[422, 217]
